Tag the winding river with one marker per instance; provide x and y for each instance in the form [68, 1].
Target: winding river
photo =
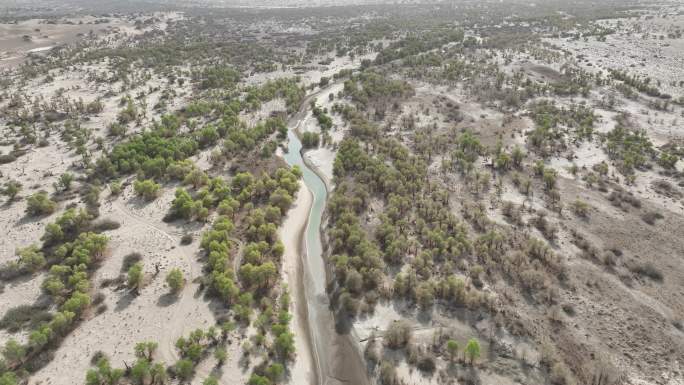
[335, 356]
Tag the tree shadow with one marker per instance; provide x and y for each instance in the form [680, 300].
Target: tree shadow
[167, 299]
[185, 226]
[28, 219]
[470, 376]
[343, 322]
[138, 202]
[124, 301]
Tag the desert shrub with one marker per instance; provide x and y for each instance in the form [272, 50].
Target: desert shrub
[115, 188]
[647, 269]
[31, 258]
[65, 180]
[651, 217]
[512, 212]
[533, 279]
[547, 228]
[580, 208]
[388, 374]
[135, 276]
[11, 189]
[310, 139]
[175, 280]
[398, 334]
[472, 350]
[40, 204]
[7, 158]
[117, 129]
[105, 225]
[186, 239]
[560, 375]
[619, 197]
[26, 317]
[147, 188]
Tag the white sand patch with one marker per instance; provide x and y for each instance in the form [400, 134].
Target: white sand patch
[290, 232]
[322, 159]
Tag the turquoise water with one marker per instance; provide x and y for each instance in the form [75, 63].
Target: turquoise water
[319, 317]
[314, 259]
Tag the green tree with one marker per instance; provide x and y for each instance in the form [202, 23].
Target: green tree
[65, 180]
[221, 355]
[184, 369]
[310, 139]
[256, 379]
[145, 349]
[275, 372]
[175, 280]
[104, 374]
[141, 370]
[284, 344]
[147, 188]
[115, 188]
[135, 276]
[32, 258]
[13, 351]
[40, 204]
[211, 380]
[452, 348]
[472, 350]
[9, 378]
[550, 175]
[518, 155]
[158, 373]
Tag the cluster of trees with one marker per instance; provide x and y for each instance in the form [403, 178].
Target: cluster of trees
[324, 120]
[642, 84]
[263, 202]
[210, 193]
[70, 252]
[311, 139]
[553, 123]
[149, 154]
[283, 88]
[373, 89]
[629, 148]
[417, 43]
[147, 370]
[240, 140]
[408, 209]
[221, 76]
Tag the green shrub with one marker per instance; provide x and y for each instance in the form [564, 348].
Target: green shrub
[135, 276]
[175, 280]
[148, 189]
[40, 204]
[310, 139]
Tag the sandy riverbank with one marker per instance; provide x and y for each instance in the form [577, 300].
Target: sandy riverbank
[303, 371]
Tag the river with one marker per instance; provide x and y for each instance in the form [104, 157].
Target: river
[336, 356]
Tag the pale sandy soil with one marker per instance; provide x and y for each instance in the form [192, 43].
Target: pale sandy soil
[290, 232]
[631, 51]
[312, 76]
[154, 315]
[253, 118]
[36, 170]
